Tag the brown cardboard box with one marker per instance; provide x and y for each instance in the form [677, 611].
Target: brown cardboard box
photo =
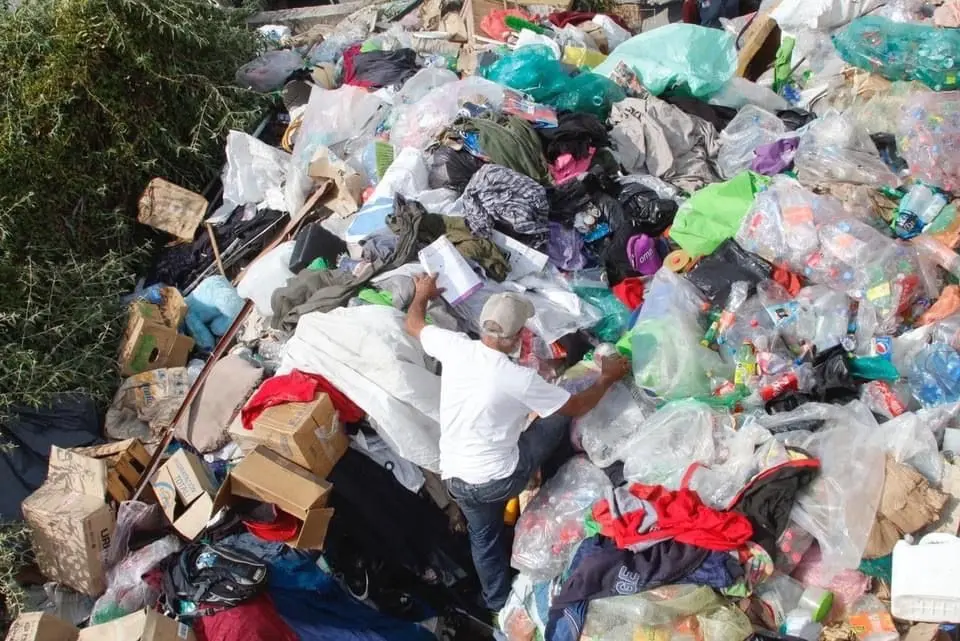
[70, 523]
[41, 626]
[265, 476]
[185, 492]
[145, 625]
[151, 340]
[171, 208]
[348, 184]
[309, 434]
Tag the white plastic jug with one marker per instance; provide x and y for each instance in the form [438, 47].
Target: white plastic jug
[925, 586]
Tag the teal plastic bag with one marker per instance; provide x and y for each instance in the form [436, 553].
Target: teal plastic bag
[616, 316]
[714, 213]
[687, 59]
[535, 71]
[902, 51]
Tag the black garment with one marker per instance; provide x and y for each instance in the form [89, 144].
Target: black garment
[180, 264]
[610, 571]
[451, 168]
[768, 498]
[312, 242]
[71, 420]
[384, 68]
[717, 116]
[730, 263]
[574, 134]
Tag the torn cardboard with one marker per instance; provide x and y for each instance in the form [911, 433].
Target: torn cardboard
[70, 523]
[151, 340]
[265, 476]
[185, 492]
[309, 434]
[145, 625]
[41, 626]
[348, 184]
[171, 208]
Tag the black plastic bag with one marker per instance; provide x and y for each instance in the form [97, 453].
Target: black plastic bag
[448, 167]
[647, 213]
[714, 274]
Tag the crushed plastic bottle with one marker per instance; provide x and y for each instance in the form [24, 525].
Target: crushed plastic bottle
[871, 620]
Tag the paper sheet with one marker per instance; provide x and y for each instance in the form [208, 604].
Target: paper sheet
[455, 276]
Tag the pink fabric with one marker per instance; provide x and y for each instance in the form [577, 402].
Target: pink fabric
[948, 14]
[847, 587]
[566, 167]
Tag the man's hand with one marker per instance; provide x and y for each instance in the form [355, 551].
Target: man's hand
[613, 368]
[425, 286]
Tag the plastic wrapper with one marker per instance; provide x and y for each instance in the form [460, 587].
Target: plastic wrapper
[837, 149]
[750, 128]
[901, 51]
[270, 71]
[550, 529]
[839, 506]
[417, 124]
[524, 617]
[668, 608]
[534, 70]
[332, 119]
[673, 438]
[126, 591]
[930, 138]
[605, 430]
[689, 59]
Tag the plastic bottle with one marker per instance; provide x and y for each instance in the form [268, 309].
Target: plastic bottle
[798, 623]
[917, 210]
[746, 368]
[871, 620]
[778, 596]
[738, 296]
[799, 378]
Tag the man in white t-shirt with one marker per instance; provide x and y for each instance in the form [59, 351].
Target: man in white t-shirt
[486, 455]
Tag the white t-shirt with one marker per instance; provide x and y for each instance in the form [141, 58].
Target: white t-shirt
[484, 402]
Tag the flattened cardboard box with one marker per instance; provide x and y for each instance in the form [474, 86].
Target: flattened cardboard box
[266, 476]
[309, 434]
[70, 523]
[145, 625]
[150, 343]
[41, 626]
[185, 492]
[171, 208]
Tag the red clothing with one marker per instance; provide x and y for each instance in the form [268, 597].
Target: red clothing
[297, 387]
[255, 620]
[622, 528]
[630, 292]
[682, 516]
[563, 18]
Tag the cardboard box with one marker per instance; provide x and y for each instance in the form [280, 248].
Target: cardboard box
[145, 625]
[171, 208]
[268, 477]
[70, 523]
[151, 340]
[309, 434]
[41, 626]
[185, 492]
[347, 183]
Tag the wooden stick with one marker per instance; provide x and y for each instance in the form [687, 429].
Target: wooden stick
[216, 249]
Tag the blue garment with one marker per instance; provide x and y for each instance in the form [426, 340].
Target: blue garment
[483, 506]
[289, 569]
[333, 615]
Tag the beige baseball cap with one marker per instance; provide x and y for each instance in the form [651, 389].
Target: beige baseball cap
[504, 314]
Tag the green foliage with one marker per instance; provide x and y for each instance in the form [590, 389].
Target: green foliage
[96, 98]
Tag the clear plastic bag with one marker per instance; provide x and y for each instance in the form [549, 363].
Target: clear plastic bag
[839, 506]
[132, 516]
[625, 618]
[270, 71]
[550, 529]
[725, 623]
[126, 591]
[930, 138]
[912, 441]
[736, 458]
[692, 60]
[750, 128]
[418, 123]
[422, 83]
[605, 430]
[835, 148]
[902, 51]
[670, 362]
[674, 437]
[740, 92]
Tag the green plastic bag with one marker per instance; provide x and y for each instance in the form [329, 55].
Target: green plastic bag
[714, 213]
[616, 316]
[687, 59]
[535, 71]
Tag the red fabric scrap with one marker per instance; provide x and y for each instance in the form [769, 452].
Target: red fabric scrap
[622, 528]
[253, 620]
[349, 71]
[563, 18]
[630, 292]
[297, 387]
[682, 516]
[494, 24]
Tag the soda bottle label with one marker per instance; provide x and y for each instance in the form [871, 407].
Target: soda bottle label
[789, 382]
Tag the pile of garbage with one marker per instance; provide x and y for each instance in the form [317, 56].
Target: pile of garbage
[776, 257]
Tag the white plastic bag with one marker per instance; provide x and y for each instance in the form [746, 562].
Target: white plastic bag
[616, 35]
[407, 176]
[254, 173]
[911, 440]
[417, 124]
[606, 429]
[740, 92]
[550, 529]
[265, 275]
[422, 83]
[820, 15]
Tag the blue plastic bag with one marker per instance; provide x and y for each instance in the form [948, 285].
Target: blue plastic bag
[687, 59]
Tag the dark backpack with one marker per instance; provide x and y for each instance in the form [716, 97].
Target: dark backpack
[214, 577]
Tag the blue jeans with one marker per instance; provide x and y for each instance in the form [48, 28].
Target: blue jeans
[483, 506]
